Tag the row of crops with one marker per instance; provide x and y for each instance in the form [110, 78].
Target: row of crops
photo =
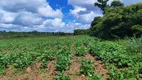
[123, 58]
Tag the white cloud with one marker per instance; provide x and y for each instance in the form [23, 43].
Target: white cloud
[84, 2]
[77, 10]
[20, 18]
[29, 15]
[83, 15]
[57, 23]
[7, 17]
[47, 11]
[18, 5]
[35, 6]
[84, 10]
[46, 26]
[28, 19]
[12, 27]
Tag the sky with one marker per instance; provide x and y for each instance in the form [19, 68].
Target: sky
[49, 15]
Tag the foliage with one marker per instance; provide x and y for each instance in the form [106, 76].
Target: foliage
[123, 58]
[122, 74]
[11, 34]
[87, 67]
[81, 32]
[95, 22]
[2, 70]
[81, 50]
[112, 53]
[119, 22]
[102, 4]
[62, 76]
[63, 60]
[19, 59]
[96, 77]
[45, 57]
[116, 3]
[134, 45]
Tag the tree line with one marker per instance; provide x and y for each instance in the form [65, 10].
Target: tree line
[118, 21]
[12, 34]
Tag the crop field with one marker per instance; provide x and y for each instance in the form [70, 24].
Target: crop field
[70, 58]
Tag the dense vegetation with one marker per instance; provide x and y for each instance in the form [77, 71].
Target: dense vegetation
[118, 21]
[63, 56]
[121, 57]
[11, 34]
[81, 32]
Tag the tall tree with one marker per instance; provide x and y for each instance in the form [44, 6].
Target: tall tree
[102, 4]
[116, 3]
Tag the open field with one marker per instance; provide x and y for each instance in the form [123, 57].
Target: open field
[70, 58]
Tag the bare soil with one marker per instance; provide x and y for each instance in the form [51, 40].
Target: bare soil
[31, 73]
[35, 73]
[74, 71]
[140, 75]
[99, 66]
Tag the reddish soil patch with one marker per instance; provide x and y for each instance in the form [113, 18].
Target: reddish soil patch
[28, 70]
[74, 71]
[31, 73]
[38, 65]
[140, 75]
[7, 51]
[99, 66]
[51, 68]
[72, 48]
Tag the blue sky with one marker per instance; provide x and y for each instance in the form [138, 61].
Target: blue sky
[49, 15]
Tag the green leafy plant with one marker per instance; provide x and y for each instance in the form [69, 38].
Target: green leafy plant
[62, 76]
[87, 67]
[96, 77]
[122, 74]
[19, 59]
[112, 53]
[45, 57]
[63, 60]
[81, 50]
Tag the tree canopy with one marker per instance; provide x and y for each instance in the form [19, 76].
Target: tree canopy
[102, 4]
[118, 21]
[116, 3]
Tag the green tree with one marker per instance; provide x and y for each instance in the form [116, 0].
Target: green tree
[119, 22]
[102, 4]
[95, 21]
[81, 32]
[116, 3]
